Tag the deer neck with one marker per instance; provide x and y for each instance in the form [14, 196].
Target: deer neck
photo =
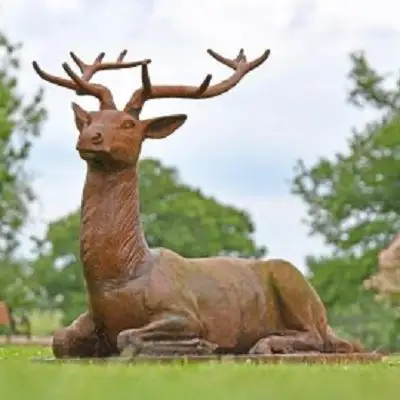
[112, 241]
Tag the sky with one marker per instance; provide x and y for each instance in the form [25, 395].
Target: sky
[239, 147]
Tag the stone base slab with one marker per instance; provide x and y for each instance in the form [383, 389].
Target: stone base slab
[315, 358]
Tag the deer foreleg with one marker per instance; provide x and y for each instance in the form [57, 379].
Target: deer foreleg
[80, 339]
[165, 336]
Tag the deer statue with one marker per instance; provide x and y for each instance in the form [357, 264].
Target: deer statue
[386, 281]
[154, 301]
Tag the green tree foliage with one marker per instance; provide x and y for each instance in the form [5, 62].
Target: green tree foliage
[20, 123]
[174, 216]
[353, 203]
[59, 283]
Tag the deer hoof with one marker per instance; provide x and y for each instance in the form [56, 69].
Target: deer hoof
[261, 347]
[272, 345]
[61, 343]
[129, 344]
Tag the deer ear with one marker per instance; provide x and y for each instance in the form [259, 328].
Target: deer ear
[161, 127]
[81, 116]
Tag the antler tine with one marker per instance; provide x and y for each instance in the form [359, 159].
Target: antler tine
[135, 104]
[226, 61]
[52, 78]
[122, 55]
[81, 84]
[83, 87]
[148, 91]
[88, 70]
[240, 60]
[146, 82]
[147, 87]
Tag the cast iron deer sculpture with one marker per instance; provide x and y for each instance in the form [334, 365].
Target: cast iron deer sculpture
[386, 281]
[153, 301]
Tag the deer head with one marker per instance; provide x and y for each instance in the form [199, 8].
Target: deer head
[110, 137]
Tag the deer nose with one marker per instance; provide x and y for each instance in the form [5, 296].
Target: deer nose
[97, 138]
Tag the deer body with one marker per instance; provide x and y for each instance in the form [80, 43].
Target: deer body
[154, 301]
[120, 269]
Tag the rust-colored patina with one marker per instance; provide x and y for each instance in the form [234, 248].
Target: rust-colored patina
[153, 301]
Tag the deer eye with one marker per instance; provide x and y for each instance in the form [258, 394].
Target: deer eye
[128, 124]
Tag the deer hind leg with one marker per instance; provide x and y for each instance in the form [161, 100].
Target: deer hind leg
[169, 334]
[335, 344]
[302, 311]
[301, 321]
[79, 340]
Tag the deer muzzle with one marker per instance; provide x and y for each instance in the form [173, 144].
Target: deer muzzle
[91, 140]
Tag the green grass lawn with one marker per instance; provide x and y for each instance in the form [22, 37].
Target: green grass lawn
[22, 379]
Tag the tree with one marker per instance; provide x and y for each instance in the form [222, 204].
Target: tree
[353, 203]
[174, 216]
[20, 123]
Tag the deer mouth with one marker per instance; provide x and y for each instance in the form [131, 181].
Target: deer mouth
[101, 159]
[95, 156]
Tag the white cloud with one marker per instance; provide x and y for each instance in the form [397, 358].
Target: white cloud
[291, 107]
[355, 14]
[277, 218]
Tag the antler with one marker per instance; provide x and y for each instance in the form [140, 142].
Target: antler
[204, 90]
[81, 84]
